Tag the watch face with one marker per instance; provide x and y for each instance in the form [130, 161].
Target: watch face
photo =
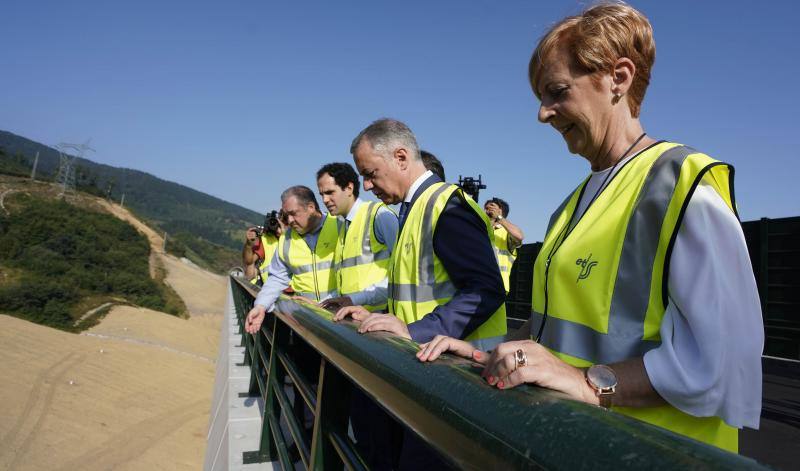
[602, 376]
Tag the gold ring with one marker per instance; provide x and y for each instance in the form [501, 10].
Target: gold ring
[521, 358]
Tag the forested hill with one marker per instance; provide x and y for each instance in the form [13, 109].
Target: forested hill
[174, 208]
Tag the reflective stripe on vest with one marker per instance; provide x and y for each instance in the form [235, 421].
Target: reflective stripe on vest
[312, 272]
[505, 258]
[270, 243]
[418, 282]
[364, 260]
[600, 281]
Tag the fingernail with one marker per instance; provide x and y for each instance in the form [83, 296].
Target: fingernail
[477, 354]
[490, 379]
[500, 385]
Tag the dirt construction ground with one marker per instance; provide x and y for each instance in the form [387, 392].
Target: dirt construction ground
[132, 393]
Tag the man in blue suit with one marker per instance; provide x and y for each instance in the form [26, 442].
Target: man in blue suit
[388, 157]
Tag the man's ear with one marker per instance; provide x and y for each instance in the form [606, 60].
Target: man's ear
[402, 157]
[350, 187]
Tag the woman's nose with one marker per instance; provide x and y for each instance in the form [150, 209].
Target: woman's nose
[545, 113]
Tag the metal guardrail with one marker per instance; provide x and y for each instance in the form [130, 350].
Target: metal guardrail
[446, 403]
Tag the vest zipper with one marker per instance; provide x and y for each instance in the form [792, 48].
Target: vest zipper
[314, 271]
[568, 230]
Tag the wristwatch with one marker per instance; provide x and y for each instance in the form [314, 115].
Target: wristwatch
[603, 380]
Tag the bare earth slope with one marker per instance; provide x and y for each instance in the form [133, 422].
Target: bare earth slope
[132, 393]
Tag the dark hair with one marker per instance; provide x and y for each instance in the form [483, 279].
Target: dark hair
[342, 174]
[503, 205]
[432, 163]
[303, 194]
[385, 135]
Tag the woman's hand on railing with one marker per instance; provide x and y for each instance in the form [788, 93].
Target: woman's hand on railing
[538, 366]
[254, 319]
[441, 344]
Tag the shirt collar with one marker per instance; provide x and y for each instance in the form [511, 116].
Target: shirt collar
[415, 186]
[353, 209]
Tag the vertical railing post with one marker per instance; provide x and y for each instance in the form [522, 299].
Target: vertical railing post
[267, 447]
[332, 414]
[254, 359]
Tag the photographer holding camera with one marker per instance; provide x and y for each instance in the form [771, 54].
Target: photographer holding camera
[259, 247]
[507, 236]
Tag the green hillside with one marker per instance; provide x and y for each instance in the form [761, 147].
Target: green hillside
[57, 261]
[184, 213]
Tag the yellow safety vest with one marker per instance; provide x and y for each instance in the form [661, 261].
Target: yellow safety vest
[270, 243]
[505, 257]
[312, 272]
[418, 282]
[362, 260]
[600, 283]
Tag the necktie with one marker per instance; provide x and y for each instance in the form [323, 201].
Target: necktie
[403, 212]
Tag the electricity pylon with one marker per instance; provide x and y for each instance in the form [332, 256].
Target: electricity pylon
[66, 168]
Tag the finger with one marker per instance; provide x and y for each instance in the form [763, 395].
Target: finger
[428, 348]
[444, 345]
[361, 314]
[376, 323]
[365, 323]
[421, 350]
[519, 376]
[343, 313]
[480, 357]
[500, 368]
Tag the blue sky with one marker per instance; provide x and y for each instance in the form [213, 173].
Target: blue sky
[241, 99]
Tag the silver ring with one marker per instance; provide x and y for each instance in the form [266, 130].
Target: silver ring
[521, 358]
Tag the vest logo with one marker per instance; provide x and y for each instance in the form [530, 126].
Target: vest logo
[586, 267]
[326, 244]
[407, 246]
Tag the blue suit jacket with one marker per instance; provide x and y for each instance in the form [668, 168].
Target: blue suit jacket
[462, 244]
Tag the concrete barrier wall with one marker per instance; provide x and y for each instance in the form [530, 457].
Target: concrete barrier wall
[235, 421]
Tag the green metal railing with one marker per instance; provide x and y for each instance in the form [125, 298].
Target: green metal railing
[446, 403]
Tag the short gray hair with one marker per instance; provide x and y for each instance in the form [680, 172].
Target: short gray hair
[385, 135]
[303, 194]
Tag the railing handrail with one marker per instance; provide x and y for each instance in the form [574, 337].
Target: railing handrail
[476, 426]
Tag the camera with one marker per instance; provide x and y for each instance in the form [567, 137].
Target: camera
[471, 186]
[271, 224]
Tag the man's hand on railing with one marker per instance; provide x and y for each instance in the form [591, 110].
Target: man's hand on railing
[441, 344]
[336, 303]
[254, 319]
[384, 323]
[358, 313]
[373, 321]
